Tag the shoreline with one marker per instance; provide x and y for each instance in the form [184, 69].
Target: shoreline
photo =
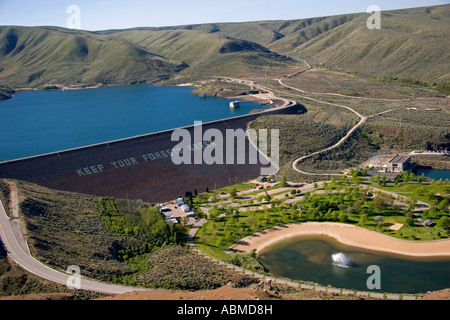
[346, 234]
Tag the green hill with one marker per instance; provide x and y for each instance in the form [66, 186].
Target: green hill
[207, 52]
[413, 43]
[32, 57]
[6, 93]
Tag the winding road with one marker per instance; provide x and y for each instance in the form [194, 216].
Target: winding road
[11, 229]
[363, 120]
[15, 245]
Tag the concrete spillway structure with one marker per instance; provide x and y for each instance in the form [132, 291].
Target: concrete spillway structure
[136, 168]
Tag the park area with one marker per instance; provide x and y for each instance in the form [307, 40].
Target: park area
[399, 210]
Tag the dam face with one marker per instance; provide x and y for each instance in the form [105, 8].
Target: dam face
[137, 168]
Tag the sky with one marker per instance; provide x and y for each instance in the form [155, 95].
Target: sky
[114, 14]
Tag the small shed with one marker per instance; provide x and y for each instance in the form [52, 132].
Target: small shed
[185, 208]
[191, 214]
[262, 179]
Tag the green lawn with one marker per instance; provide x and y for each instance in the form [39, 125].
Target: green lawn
[421, 192]
[347, 206]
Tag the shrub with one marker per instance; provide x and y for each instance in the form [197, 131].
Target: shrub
[177, 268]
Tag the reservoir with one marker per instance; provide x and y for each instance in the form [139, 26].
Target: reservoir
[316, 259]
[38, 122]
[434, 173]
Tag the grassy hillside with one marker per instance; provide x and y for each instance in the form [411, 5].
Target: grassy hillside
[412, 44]
[207, 53]
[101, 235]
[112, 240]
[33, 57]
[14, 281]
[6, 93]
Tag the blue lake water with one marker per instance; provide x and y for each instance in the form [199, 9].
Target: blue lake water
[434, 173]
[38, 122]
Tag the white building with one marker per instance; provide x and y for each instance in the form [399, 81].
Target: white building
[191, 214]
[398, 164]
[179, 202]
[235, 105]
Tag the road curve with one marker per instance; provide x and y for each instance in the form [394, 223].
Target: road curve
[23, 258]
[363, 120]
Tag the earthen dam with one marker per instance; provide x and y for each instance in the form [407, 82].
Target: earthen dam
[139, 167]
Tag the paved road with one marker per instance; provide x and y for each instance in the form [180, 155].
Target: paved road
[22, 257]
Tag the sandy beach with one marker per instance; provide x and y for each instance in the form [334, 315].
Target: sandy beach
[347, 234]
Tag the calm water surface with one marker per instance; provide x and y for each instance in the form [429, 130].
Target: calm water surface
[310, 259]
[39, 122]
[434, 173]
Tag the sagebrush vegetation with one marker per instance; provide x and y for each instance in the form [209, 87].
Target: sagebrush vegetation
[100, 235]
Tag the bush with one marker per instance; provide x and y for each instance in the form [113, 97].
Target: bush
[32, 207]
[247, 261]
[178, 269]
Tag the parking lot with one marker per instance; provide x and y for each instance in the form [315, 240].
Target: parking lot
[173, 211]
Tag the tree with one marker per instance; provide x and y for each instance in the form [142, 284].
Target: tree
[444, 223]
[410, 222]
[379, 220]
[349, 210]
[313, 214]
[188, 197]
[421, 178]
[443, 205]
[233, 193]
[363, 218]
[202, 197]
[343, 217]
[384, 181]
[283, 182]
[357, 206]
[363, 196]
[382, 201]
[161, 229]
[276, 203]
